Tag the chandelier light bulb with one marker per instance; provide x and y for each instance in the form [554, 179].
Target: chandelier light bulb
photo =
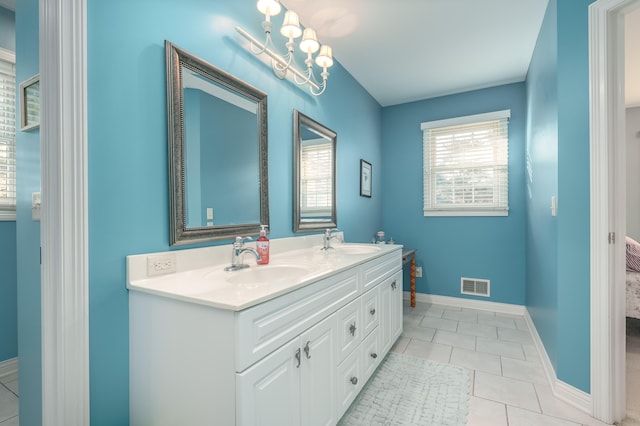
[325, 57]
[291, 25]
[268, 8]
[309, 43]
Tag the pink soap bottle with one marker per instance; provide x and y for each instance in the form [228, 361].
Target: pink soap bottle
[262, 246]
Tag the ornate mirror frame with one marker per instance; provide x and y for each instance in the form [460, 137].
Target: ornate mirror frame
[176, 59]
[299, 225]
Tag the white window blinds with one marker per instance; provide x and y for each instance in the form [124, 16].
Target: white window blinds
[316, 185]
[466, 165]
[7, 139]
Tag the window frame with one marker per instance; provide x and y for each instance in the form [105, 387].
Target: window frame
[8, 212]
[473, 209]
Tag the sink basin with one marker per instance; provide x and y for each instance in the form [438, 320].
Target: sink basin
[266, 274]
[356, 249]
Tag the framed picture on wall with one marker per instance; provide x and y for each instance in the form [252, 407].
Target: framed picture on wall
[365, 179]
[30, 103]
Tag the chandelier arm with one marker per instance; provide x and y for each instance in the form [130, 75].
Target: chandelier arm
[300, 77]
[263, 48]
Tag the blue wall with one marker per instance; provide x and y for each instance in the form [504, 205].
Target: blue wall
[27, 230]
[573, 194]
[449, 248]
[8, 282]
[542, 183]
[8, 292]
[128, 189]
[558, 88]
[7, 29]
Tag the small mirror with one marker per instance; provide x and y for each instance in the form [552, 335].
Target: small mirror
[314, 170]
[217, 151]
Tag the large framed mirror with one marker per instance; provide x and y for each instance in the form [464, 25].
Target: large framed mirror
[217, 135]
[314, 175]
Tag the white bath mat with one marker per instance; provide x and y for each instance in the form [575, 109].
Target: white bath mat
[412, 391]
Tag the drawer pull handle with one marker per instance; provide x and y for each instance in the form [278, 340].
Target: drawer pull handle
[374, 355]
[393, 285]
[352, 329]
[307, 349]
[372, 311]
[354, 380]
[298, 358]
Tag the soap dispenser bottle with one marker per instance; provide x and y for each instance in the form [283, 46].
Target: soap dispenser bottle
[262, 246]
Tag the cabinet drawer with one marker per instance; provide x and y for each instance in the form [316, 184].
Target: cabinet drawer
[349, 382]
[371, 355]
[378, 269]
[265, 327]
[370, 311]
[349, 329]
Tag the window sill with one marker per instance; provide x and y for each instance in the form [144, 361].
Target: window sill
[466, 213]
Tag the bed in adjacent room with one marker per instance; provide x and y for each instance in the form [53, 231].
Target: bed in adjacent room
[633, 278]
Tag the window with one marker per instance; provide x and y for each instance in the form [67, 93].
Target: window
[7, 136]
[466, 165]
[315, 182]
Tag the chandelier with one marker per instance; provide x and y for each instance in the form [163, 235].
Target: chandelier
[291, 30]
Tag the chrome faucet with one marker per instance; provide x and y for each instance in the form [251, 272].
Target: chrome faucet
[236, 254]
[327, 237]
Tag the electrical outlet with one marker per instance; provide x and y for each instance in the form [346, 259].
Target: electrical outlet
[418, 271]
[161, 264]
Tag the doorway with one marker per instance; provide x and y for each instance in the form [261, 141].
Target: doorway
[608, 207]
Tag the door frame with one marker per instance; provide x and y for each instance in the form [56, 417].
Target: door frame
[64, 214]
[607, 207]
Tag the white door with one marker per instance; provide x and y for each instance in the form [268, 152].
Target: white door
[268, 393]
[319, 373]
[385, 315]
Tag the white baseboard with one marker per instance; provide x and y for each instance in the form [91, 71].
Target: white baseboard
[9, 366]
[481, 305]
[561, 390]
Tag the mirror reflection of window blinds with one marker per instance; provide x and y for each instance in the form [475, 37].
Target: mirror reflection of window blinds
[315, 185]
[7, 135]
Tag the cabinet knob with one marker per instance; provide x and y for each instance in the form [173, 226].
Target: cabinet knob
[374, 355]
[372, 311]
[352, 329]
[297, 356]
[354, 380]
[307, 349]
[393, 285]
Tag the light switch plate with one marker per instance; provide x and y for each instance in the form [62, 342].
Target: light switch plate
[36, 204]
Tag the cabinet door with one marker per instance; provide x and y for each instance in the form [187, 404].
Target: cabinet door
[396, 307]
[385, 316]
[319, 373]
[268, 393]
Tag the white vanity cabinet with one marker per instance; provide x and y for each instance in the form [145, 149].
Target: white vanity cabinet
[299, 358]
[295, 384]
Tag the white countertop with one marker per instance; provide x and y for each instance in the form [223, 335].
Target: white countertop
[294, 263]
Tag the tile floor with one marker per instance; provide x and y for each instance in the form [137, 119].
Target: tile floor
[9, 400]
[633, 372]
[509, 384]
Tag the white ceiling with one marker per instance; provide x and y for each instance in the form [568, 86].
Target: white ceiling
[408, 50]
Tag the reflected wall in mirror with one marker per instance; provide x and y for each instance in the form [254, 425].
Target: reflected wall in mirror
[314, 175]
[217, 151]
